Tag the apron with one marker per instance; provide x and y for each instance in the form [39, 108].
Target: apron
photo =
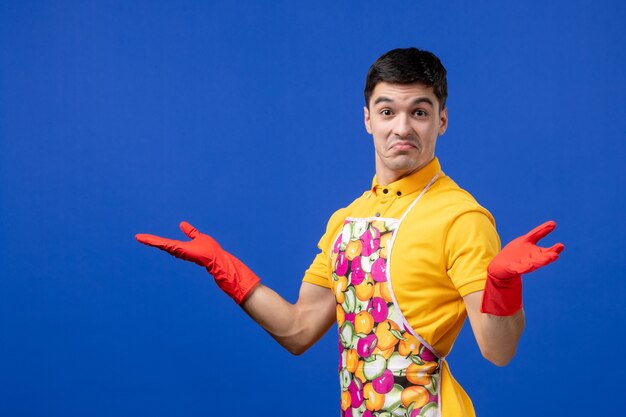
[385, 368]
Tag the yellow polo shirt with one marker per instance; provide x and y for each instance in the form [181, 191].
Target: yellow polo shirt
[440, 255]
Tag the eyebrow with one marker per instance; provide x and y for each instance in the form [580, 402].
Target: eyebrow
[383, 99]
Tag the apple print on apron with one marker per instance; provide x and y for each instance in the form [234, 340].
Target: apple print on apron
[385, 368]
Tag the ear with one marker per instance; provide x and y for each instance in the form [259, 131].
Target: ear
[443, 121]
[366, 119]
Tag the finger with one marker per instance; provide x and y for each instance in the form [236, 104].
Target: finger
[157, 242]
[553, 250]
[540, 232]
[545, 259]
[557, 248]
[542, 256]
[189, 230]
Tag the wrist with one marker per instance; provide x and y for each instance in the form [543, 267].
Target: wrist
[502, 297]
[233, 276]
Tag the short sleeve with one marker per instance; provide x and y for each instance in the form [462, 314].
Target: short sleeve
[320, 273]
[471, 243]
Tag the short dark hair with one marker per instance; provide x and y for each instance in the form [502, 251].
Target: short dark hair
[408, 66]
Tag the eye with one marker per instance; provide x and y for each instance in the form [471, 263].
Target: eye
[420, 113]
[386, 112]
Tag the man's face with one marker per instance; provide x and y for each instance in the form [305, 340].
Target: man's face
[405, 121]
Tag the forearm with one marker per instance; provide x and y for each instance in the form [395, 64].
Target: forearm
[500, 336]
[497, 336]
[297, 326]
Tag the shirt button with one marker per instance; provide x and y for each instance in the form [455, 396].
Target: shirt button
[385, 191]
[377, 214]
[398, 193]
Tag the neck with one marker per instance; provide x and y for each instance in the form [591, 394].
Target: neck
[386, 177]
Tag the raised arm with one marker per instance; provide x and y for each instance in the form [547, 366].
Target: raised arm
[496, 314]
[295, 326]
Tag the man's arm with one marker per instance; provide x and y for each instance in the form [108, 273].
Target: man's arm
[497, 336]
[496, 314]
[295, 326]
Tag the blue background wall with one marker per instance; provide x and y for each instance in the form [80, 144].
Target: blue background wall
[244, 118]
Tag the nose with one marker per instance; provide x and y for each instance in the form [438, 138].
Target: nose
[402, 127]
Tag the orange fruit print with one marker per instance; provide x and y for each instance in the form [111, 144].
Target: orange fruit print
[384, 369]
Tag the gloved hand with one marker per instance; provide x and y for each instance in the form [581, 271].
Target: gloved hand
[231, 275]
[503, 290]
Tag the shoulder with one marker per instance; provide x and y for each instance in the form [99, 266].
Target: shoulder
[452, 201]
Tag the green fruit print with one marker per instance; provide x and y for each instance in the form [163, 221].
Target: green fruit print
[349, 303]
[347, 334]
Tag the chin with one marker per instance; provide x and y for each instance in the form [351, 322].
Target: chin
[405, 163]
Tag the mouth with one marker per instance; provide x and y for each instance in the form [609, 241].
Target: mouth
[402, 146]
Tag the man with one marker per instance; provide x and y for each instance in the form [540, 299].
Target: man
[400, 267]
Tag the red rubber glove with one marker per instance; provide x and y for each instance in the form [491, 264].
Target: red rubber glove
[503, 291]
[231, 275]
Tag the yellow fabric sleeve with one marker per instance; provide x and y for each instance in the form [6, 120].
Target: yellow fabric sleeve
[320, 271]
[471, 243]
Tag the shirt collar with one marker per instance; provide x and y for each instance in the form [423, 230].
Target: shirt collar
[409, 184]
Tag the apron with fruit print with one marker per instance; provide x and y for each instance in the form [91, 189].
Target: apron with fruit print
[386, 369]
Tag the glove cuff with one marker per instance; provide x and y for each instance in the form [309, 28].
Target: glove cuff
[233, 276]
[502, 297]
